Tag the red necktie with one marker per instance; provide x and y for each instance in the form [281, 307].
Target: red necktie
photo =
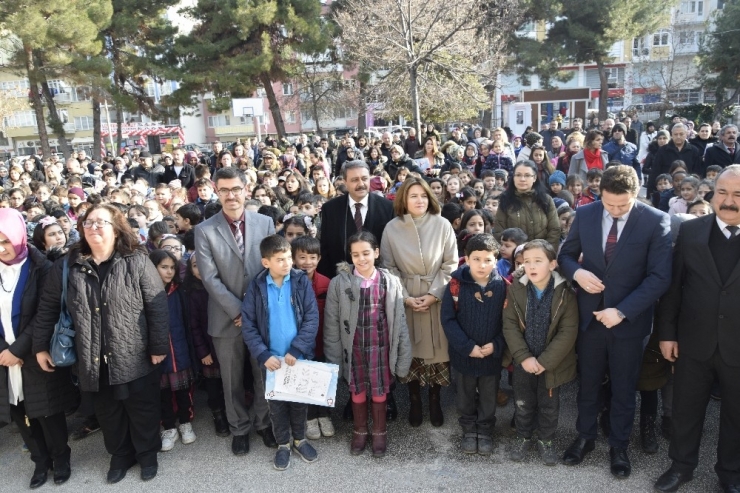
[611, 241]
[358, 217]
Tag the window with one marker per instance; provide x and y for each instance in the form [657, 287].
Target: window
[83, 123]
[219, 121]
[21, 119]
[638, 47]
[263, 120]
[344, 113]
[63, 116]
[661, 38]
[16, 88]
[287, 89]
[696, 7]
[82, 93]
[612, 74]
[289, 117]
[306, 116]
[720, 4]
[150, 91]
[261, 92]
[686, 37]
[685, 96]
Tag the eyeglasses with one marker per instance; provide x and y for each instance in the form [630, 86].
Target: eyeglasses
[97, 224]
[226, 191]
[171, 248]
[523, 177]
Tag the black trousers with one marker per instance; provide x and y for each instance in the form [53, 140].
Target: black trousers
[288, 419]
[476, 402]
[537, 407]
[46, 438]
[215, 390]
[130, 426]
[692, 383]
[183, 400]
[600, 351]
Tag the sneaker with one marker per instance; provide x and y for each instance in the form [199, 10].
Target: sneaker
[24, 448]
[305, 450]
[327, 427]
[312, 429]
[469, 443]
[282, 457]
[519, 449]
[485, 444]
[169, 437]
[547, 452]
[186, 433]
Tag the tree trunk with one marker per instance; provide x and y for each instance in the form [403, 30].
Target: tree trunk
[603, 89]
[38, 107]
[362, 107]
[416, 112]
[274, 106]
[119, 129]
[54, 121]
[97, 149]
[315, 111]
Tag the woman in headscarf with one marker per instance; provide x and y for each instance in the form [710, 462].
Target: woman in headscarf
[34, 399]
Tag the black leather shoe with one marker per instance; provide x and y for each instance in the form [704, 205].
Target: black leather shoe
[149, 472]
[115, 475]
[730, 488]
[240, 444]
[268, 438]
[221, 423]
[671, 480]
[38, 479]
[577, 451]
[391, 410]
[62, 472]
[620, 467]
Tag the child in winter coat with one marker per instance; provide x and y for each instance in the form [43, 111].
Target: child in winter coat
[178, 372]
[472, 308]
[540, 327]
[365, 333]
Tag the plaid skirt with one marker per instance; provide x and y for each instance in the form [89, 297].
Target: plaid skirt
[434, 374]
[370, 361]
[180, 380]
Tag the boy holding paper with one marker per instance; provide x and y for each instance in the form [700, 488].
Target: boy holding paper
[280, 318]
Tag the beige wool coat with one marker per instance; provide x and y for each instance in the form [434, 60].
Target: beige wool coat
[423, 254]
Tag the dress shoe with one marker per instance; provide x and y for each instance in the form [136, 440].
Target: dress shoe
[240, 444]
[620, 466]
[577, 451]
[268, 438]
[62, 472]
[115, 475]
[391, 410]
[38, 479]
[220, 423]
[730, 488]
[671, 480]
[149, 472]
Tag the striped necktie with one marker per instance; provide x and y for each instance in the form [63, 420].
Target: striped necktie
[611, 241]
[239, 237]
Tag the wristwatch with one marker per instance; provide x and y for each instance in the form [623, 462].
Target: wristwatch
[621, 315]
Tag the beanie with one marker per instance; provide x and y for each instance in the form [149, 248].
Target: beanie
[558, 177]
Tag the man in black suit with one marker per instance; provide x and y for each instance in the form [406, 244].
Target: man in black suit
[626, 267]
[338, 216]
[698, 327]
[724, 152]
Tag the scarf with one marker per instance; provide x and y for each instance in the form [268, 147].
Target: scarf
[538, 317]
[593, 158]
[13, 227]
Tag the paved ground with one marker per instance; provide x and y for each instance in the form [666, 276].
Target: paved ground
[422, 459]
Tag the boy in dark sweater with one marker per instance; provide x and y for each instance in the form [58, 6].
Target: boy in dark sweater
[472, 308]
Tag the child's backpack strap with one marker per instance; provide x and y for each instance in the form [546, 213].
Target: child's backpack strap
[454, 290]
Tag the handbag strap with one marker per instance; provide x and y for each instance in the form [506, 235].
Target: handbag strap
[65, 278]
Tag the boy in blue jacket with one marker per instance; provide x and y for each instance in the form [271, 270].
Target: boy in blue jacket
[472, 311]
[280, 318]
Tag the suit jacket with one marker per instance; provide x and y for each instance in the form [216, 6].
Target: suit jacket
[699, 311]
[225, 273]
[338, 224]
[638, 274]
[718, 154]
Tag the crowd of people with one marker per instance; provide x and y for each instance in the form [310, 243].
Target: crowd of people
[405, 261]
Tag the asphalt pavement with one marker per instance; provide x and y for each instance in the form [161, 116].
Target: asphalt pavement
[421, 459]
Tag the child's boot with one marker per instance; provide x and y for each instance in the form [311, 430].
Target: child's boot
[359, 433]
[220, 423]
[435, 406]
[415, 415]
[380, 436]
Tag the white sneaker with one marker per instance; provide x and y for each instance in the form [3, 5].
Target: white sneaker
[169, 437]
[312, 429]
[327, 427]
[186, 433]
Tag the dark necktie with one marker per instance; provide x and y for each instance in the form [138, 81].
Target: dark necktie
[732, 151]
[358, 217]
[611, 241]
[732, 230]
[239, 237]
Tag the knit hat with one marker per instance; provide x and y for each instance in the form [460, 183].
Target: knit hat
[77, 191]
[500, 173]
[557, 177]
[663, 133]
[620, 126]
[532, 138]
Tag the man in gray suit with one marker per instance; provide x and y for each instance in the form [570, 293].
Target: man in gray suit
[228, 252]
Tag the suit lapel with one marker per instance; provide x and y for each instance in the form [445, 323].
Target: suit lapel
[248, 228]
[225, 231]
[702, 243]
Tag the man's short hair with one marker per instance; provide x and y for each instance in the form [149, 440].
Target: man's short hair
[483, 242]
[190, 212]
[726, 127]
[272, 245]
[620, 179]
[229, 173]
[355, 163]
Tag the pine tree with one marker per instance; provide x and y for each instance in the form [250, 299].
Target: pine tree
[719, 58]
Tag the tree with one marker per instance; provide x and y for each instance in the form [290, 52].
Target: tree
[239, 45]
[9, 105]
[421, 52]
[719, 58]
[49, 37]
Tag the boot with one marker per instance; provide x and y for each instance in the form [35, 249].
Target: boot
[435, 408]
[221, 423]
[380, 437]
[391, 409]
[415, 416]
[647, 434]
[359, 433]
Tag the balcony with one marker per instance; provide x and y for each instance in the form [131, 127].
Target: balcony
[233, 130]
[69, 128]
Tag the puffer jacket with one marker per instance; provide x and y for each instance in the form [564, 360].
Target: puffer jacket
[124, 321]
[559, 357]
[531, 219]
[44, 393]
[340, 321]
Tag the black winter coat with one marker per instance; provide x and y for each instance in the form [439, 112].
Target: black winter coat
[44, 393]
[127, 318]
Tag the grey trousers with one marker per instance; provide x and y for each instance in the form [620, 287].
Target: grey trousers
[534, 400]
[231, 353]
[476, 402]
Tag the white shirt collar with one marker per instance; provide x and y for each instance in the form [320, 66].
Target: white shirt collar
[722, 225]
[624, 218]
[352, 202]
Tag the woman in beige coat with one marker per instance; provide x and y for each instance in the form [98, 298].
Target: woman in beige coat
[419, 247]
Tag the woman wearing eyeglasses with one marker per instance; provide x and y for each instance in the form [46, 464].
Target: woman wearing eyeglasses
[119, 309]
[525, 204]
